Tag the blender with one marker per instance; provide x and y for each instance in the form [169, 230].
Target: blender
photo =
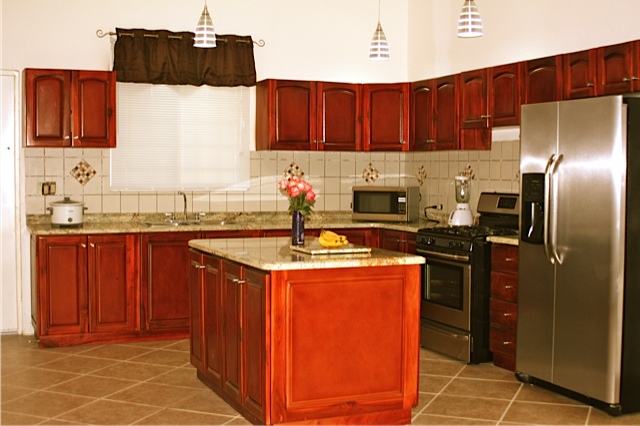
[462, 215]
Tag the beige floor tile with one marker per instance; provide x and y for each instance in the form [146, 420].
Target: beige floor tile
[9, 418]
[164, 357]
[599, 417]
[154, 344]
[93, 386]
[171, 416]
[487, 371]
[429, 419]
[482, 388]
[423, 400]
[132, 371]
[37, 378]
[533, 393]
[180, 345]
[118, 352]
[45, 403]
[432, 384]
[7, 393]
[182, 376]
[438, 367]
[205, 401]
[546, 414]
[78, 364]
[467, 407]
[152, 394]
[104, 412]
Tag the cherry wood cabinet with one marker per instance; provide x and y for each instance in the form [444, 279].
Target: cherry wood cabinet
[229, 309]
[70, 108]
[542, 80]
[618, 68]
[308, 115]
[475, 130]
[579, 74]
[402, 241]
[503, 311]
[504, 94]
[84, 288]
[446, 112]
[385, 117]
[422, 127]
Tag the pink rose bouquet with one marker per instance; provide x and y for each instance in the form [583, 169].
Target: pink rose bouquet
[300, 193]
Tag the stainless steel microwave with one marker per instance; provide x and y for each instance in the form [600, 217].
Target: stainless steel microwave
[386, 203]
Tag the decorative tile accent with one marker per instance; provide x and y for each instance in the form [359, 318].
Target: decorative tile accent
[83, 172]
[421, 175]
[293, 170]
[370, 174]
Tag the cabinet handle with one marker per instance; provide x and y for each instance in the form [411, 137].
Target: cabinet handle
[431, 141]
[197, 265]
[403, 142]
[628, 79]
[506, 314]
[508, 259]
[506, 343]
[485, 116]
[590, 85]
[238, 281]
[92, 245]
[83, 245]
[507, 287]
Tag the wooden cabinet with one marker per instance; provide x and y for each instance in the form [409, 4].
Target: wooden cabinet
[367, 237]
[307, 115]
[422, 124]
[579, 74]
[83, 288]
[164, 282]
[542, 80]
[618, 68]
[228, 349]
[504, 94]
[503, 310]
[70, 108]
[445, 112]
[385, 117]
[475, 130]
[402, 241]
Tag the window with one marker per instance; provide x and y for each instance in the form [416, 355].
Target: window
[181, 138]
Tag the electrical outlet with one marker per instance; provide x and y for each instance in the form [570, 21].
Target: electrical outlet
[47, 188]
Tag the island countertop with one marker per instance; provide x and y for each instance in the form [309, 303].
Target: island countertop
[275, 254]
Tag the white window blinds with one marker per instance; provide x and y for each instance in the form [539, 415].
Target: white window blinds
[181, 138]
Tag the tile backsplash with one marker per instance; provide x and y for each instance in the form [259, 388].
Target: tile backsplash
[332, 174]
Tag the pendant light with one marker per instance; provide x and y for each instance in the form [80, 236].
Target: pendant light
[379, 48]
[469, 23]
[205, 37]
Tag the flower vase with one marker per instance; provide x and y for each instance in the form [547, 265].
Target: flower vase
[297, 228]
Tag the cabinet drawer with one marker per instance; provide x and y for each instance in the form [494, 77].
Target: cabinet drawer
[504, 258]
[504, 286]
[502, 340]
[503, 313]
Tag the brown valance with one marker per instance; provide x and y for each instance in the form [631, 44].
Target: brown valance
[165, 57]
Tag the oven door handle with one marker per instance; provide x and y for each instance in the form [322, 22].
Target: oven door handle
[444, 256]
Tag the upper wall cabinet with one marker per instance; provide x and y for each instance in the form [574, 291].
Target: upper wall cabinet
[475, 131]
[70, 108]
[422, 127]
[306, 115]
[579, 71]
[618, 68]
[445, 111]
[504, 94]
[386, 117]
[542, 80]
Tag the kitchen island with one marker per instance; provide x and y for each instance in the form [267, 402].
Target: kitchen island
[290, 337]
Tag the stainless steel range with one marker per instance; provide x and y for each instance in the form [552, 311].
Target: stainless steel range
[456, 284]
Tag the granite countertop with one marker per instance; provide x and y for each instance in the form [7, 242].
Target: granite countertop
[504, 239]
[275, 254]
[145, 223]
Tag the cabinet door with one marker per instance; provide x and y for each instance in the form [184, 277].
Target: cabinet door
[542, 80]
[165, 280]
[254, 316]
[401, 241]
[386, 117]
[579, 74]
[231, 330]
[474, 110]
[339, 116]
[504, 95]
[617, 67]
[421, 136]
[446, 112]
[213, 308]
[93, 95]
[112, 282]
[197, 352]
[62, 285]
[286, 115]
[360, 236]
[48, 108]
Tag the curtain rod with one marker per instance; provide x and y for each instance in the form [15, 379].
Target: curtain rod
[101, 34]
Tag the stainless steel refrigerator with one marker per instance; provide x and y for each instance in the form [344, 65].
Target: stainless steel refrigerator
[578, 327]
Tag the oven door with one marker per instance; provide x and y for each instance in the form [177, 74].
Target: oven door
[446, 292]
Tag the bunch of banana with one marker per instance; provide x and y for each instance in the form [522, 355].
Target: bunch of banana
[329, 239]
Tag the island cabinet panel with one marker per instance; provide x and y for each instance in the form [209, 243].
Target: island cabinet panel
[385, 117]
[343, 348]
[84, 288]
[164, 278]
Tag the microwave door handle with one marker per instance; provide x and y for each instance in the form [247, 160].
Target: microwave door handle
[548, 181]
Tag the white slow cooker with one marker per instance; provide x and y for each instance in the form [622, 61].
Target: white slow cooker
[66, 212]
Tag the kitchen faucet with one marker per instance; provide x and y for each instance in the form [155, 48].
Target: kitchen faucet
[184, 198]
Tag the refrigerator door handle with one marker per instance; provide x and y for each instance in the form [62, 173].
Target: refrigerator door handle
[548, 181]
[554, 220]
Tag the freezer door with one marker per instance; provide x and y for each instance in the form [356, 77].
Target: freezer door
[590, 217]
[539, 139]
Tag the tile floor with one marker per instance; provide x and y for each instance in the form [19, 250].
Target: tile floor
[154, 383]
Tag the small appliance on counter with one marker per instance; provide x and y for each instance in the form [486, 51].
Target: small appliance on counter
[66, 213]
[386, 203]
[462, 215]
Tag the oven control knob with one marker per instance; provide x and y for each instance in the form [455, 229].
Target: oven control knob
[431, 240]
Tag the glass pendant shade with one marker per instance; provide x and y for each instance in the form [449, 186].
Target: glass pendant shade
[205, 37]
[469, 23]
[379, 48]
